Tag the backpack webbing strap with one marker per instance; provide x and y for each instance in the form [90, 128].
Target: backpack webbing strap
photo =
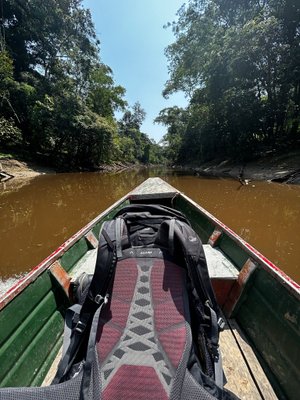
[171, 236]
[73, 338]
[73, 344]
[214, 340]
[134, 211]
[70, 313]
[107, 238]
[87, 369]
[196, 258]
[118, 233]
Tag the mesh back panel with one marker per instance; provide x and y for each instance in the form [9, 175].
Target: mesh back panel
[192, 390]
[143, 334]
[67, 391]
[143, 341]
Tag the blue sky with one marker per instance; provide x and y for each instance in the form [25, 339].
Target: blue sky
[132, 43]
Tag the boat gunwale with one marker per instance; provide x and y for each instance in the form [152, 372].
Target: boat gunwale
[36, 271]
[265, 263]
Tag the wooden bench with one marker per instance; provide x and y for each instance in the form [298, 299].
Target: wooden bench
[222, 272]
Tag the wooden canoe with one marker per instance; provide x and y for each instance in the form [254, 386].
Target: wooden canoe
[260, 344]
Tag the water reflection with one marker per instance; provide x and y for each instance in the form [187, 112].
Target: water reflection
[38, 216]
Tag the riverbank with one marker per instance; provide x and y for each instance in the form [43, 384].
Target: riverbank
[284, 168]
[23, 170]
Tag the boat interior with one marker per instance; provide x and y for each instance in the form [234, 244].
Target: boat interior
[244, 375]
[260, 342]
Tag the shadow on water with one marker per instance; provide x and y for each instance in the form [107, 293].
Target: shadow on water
[36, 217]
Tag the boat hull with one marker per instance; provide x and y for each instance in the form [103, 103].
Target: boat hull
[261, 298]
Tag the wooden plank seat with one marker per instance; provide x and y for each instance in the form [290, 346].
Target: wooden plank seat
[222, 272]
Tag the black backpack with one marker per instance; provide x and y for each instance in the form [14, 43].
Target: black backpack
[146, 324]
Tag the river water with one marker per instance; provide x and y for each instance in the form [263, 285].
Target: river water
[40, 214]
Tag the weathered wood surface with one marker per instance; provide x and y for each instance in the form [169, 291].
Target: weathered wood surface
[153, 188]
[251, 359]
[86, 264]
[52, 371]
[218, 265]
[244, 375]
[239, 379]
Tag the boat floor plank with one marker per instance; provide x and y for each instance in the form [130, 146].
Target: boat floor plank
[238, 376]
[52, 371]
[257, 372]
[244, 374]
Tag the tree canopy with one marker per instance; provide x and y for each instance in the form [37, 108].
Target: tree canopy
[57, 98]
[238, 62]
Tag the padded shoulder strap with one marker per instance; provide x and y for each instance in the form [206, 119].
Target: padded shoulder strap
[180, 234]
[190, 244]
[96, 297]
[106, 260]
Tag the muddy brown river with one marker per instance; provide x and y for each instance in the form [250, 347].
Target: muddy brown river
[40, 214]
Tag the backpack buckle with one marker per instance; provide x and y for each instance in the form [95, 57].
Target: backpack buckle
[221, 324]
[98, 299]
[106, 297]
[80, 327]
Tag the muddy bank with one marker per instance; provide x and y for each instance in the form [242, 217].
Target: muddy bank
[117, 166]
[21, 169]
[276, 168]
[12, 169]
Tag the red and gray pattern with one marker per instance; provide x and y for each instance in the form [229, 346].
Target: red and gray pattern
[142, 337]
[143, 342]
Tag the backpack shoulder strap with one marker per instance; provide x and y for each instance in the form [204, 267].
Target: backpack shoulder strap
[197, 269]
[178, 232]
[97, 297]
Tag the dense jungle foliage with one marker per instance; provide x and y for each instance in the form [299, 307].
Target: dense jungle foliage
[57, 99]
[238, 62]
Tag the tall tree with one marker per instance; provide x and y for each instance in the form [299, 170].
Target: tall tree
[131, 138]
[104, 97]
[55, 87]
[238, 62]
[175, 119]
[50, 35]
